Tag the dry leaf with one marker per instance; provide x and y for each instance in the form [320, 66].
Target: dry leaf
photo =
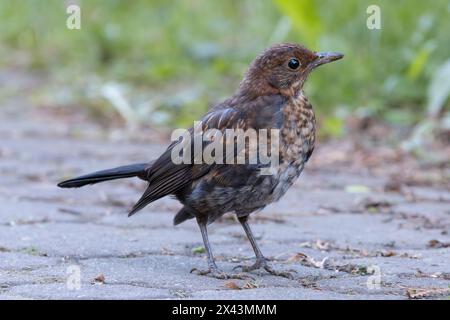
[166, 251]
[317, 264]
[442, 275]
[297, 257]
[306, 244]
[251, 285]
[232, 285]
[388, 254]
[323, 245]
[414, 293]
[100, 279]
[437, 244]
[308, 261]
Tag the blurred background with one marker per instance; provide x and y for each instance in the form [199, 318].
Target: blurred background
[161, 64]
[109, 94]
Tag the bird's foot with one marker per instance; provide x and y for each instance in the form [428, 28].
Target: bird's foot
[215, 272]
[263, 264]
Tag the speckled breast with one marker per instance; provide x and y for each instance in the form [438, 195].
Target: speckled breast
[297, 137]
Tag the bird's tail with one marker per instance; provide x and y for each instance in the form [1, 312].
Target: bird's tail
[132, 170]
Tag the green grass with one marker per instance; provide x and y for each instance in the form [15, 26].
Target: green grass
[170, 59]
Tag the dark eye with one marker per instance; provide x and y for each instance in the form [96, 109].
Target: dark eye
[293, 64]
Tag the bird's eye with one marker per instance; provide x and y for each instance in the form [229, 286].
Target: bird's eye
[293, 64]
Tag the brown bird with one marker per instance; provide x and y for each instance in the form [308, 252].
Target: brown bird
[269, 97]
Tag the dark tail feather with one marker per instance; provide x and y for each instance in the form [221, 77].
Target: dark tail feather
[133, 170]
[182, 216]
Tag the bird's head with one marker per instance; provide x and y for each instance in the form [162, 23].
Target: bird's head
[283, 68]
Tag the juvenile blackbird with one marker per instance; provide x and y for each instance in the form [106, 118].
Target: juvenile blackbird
[269, 97]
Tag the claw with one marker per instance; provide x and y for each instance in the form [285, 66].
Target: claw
[219, 274]
[262, 264]
[284, 274]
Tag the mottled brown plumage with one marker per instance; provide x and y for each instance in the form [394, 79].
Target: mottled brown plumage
[269, 97]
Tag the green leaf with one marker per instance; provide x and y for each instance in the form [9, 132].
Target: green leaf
[357, 188]
[418, 64]
[333, 126]
[199, 249]
[304, 15]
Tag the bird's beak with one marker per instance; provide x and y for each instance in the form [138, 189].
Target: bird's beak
[326, 57]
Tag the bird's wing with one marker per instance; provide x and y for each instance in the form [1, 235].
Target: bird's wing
[165, 177]
[264, 113]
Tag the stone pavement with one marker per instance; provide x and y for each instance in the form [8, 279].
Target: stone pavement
[343, 234]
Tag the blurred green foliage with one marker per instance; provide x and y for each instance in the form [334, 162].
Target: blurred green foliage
[167, 60]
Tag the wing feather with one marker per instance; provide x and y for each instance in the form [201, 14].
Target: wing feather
[167, 178]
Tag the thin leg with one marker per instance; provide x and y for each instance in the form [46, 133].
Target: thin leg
[261, 261]
[212, 270]
[251, 237]
[204, 231]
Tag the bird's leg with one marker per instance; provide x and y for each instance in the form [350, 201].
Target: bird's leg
[261, 261]
[212, 270]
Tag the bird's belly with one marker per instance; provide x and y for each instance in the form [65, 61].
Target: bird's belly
[286, 176]
[272, 188]
[245, 199]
